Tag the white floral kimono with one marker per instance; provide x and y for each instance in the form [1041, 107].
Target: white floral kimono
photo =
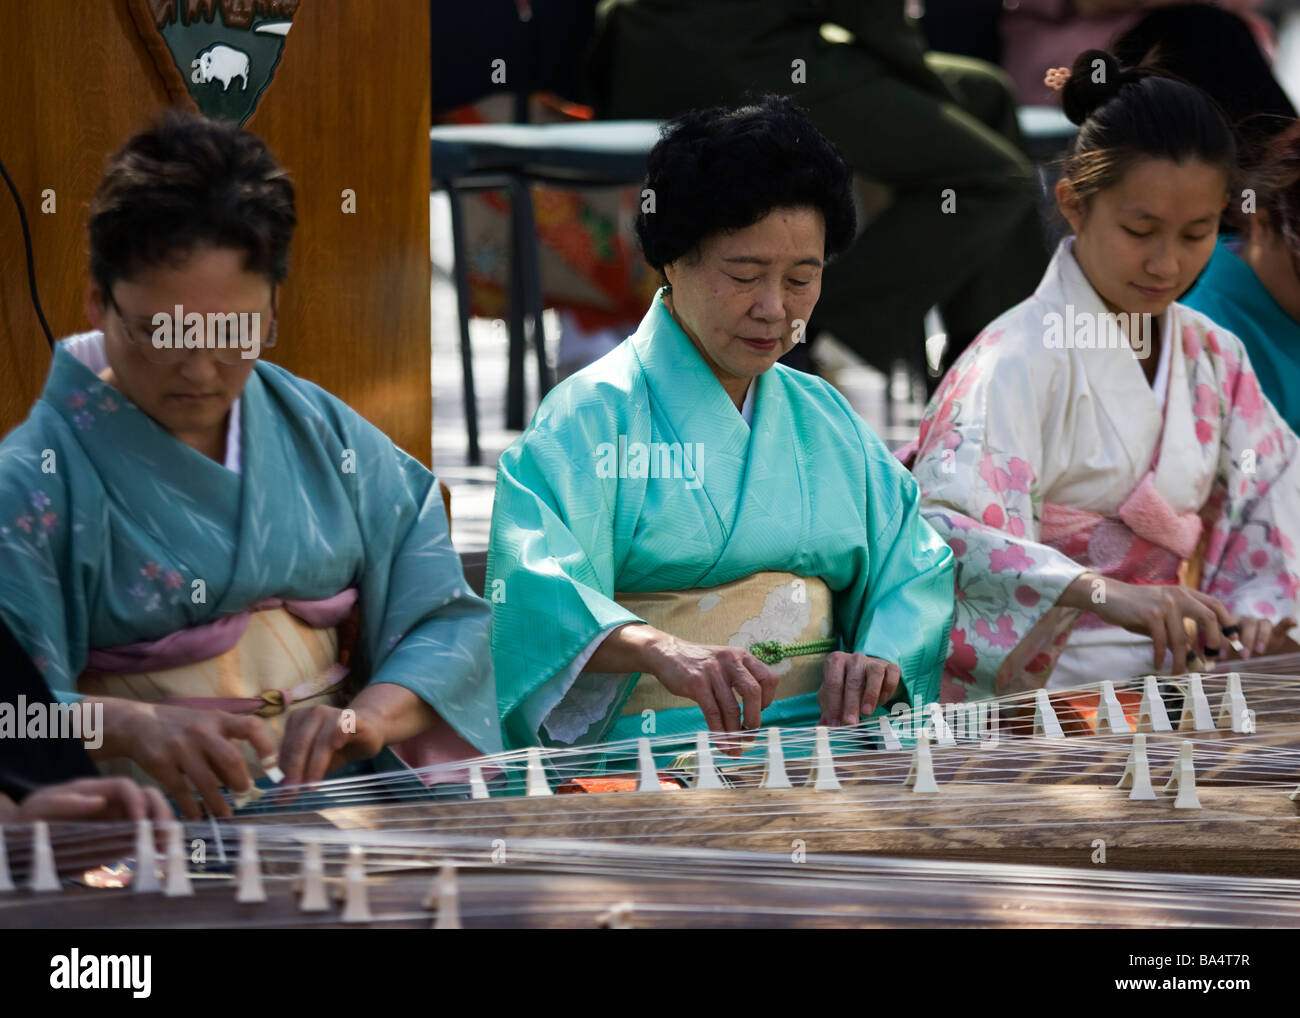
[1039, 460]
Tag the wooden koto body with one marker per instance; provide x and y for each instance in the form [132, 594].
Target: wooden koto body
[1024, 831]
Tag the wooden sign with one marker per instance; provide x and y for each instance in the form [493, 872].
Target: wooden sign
[215, 56]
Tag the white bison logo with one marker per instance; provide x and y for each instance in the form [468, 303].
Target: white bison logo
[222, 63]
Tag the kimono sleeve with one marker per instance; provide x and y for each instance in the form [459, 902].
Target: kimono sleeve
[978, 466]
[550, 572]
[423, 627]
[44, 610]
[1251, 560]
[906, 609]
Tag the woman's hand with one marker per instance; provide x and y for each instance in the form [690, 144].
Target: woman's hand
[1157, 612]
[1261, 637]
[711, 676]
[94, 799]
[320, 738]
[854, 685]
[176, 745]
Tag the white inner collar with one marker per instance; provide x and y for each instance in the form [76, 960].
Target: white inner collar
[1161, 385]
[88, 348]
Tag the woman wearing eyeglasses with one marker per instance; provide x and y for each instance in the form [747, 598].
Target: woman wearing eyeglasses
[232, 560]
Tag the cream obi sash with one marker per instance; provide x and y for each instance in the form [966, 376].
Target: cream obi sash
[764, 608]
[279, 664]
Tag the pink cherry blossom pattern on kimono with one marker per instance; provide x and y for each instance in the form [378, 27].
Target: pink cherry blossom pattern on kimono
[1005, 636]
[1011, 557]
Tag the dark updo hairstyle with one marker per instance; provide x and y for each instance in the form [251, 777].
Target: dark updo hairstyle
[725, 168]
[184, 183]
[1276, 182]
[1126, 115]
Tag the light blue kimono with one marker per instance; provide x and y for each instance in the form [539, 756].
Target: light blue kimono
[1231, 294]
[809, 489]
[112, 531]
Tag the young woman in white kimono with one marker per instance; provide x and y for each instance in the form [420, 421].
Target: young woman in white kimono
[1108, 494]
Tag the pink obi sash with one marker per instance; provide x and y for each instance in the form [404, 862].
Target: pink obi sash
[1146, 542]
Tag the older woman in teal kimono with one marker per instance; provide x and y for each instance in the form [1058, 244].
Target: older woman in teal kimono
[685, 518]
[186, 530]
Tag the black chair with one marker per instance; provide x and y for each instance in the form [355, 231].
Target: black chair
[475, 565]
[537, 47]
[475, 157]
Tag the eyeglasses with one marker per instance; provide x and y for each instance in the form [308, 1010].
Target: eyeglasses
[233, 338]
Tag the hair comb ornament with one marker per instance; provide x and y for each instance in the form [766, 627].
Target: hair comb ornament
[1056, 77]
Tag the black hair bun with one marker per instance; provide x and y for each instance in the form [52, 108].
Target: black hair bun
[1095, 79]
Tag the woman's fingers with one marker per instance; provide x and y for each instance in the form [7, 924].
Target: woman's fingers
[1177, 635]
[751, 693]
[125, 798]
[329, 739]
[893, 677]
[767, 679]
[156, 807]
[226, 761]
[726, 700]
[856, 676]
[712, 712]
[1248, 630]
[295, 750]
[1210, 624]
[168, 773]
[65, 804]
[873, 691]
[1157, 630]
[252, 729]
[1225, 617]
[830, 697]
[1282, 641]
[1263, 636]
[99, 799]
[205, 781]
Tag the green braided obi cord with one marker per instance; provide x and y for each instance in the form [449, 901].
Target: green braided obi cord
[784, 620]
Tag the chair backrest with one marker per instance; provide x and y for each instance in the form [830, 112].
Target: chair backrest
[446, 502]
[475, 565]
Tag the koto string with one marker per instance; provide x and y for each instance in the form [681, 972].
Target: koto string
[1019, 768]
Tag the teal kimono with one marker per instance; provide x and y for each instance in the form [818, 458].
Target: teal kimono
[112, 532]
[1230, 293]
[808, 489]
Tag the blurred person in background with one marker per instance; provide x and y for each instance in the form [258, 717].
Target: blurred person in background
[1252, 284]
[959, 228]
[1046, 33]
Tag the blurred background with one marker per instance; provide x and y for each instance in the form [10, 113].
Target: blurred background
[543, 111]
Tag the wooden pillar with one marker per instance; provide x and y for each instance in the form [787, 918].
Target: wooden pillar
[348, 109]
